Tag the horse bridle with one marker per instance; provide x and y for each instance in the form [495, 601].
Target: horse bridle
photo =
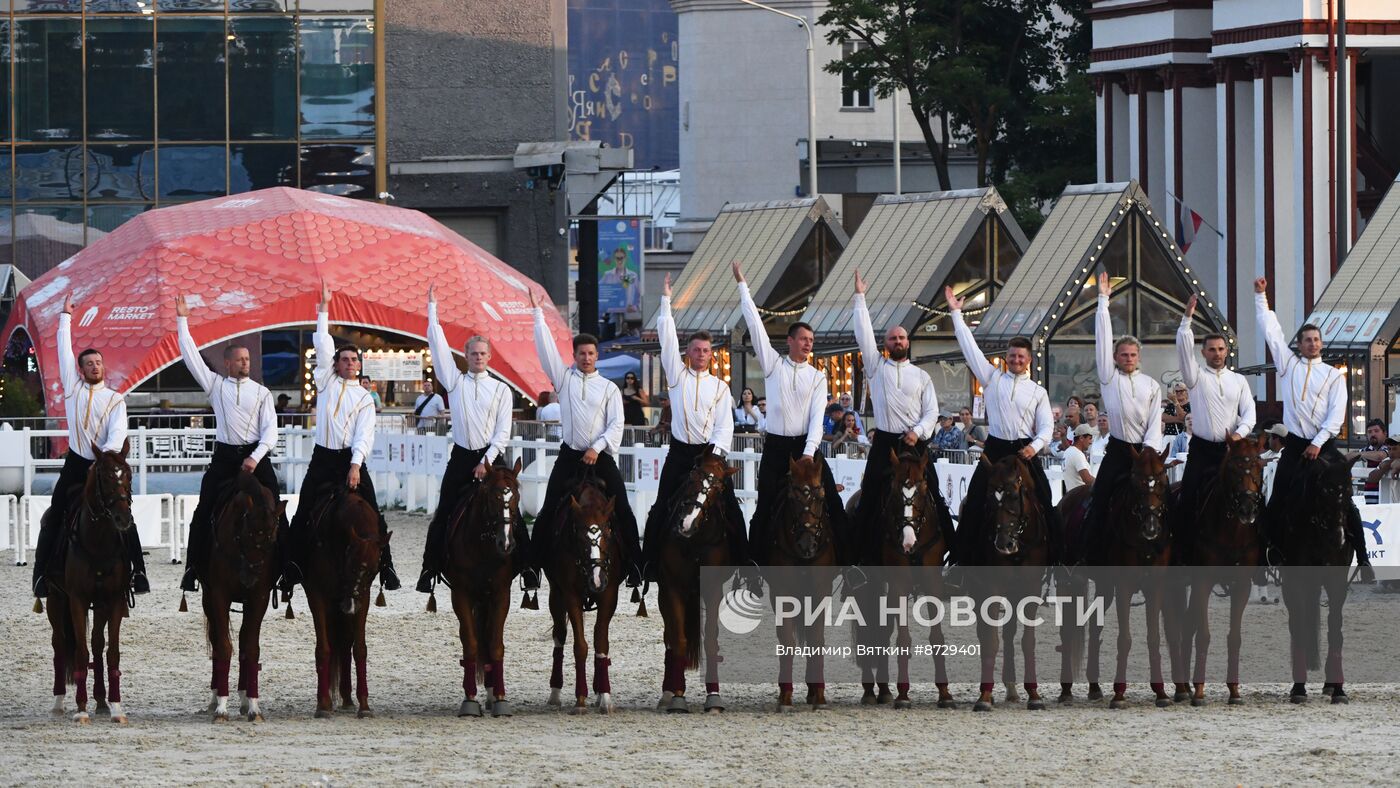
[810, 500]
[506, 498]
[1021, 521]
[106, 510]
[908, 499]
[710, 484]
[593, 537]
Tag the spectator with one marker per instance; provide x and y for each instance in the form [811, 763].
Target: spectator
[1091, 414]
[1276, 435]
[1100, 444]
[976, 433]
[634, 398]
[849, 435]
[949, 437]
[1076, 470]
[1182, 442]
[373, 387]
[1374, 452]
[548, 409]
[1058, 442]
[747, 417]
[1073, 419]
[1074, 401]
[428, 407]
[848, 404]
[831, 424]
[1174, 409]
[763, 411]
[165, 408]
[662, 430]
[286, 416]
[1388, 468]
[1056, 414]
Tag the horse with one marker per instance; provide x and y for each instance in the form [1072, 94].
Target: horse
[696, 536]
[585, 570]
[95, 575]
[1316, 557]
[1018, 540]
[482, 546]
[1226, 537]
[243, 567]
[911, 554]
[803, 538]
[343, 561]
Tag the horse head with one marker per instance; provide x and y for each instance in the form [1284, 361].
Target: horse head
[1318, 505]
[107, 494]
[807, 498]
[1242, 479]
[1011, 500]
[1149, 488]
[591, 535]
[255, 513]
[698, 494]
[499, 503]
[911, 503]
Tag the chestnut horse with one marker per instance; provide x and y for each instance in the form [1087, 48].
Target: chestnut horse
[1316, 557]
[243, 567]
[95, 575]
[1011, 547]
[483, 541]
[585, 570]
[1225, 550]
[803, 538]
[911, 555]
[696, 536]
[343, 561]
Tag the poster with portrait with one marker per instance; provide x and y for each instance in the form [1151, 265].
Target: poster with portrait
[620, 267]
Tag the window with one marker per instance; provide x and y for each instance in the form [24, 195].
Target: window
[853, 97]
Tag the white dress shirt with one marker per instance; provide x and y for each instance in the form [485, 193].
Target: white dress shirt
[243, 409]
[1314, 393]
[344, 408]
[590, 405]
[1017, 407]
[1075, 461]
[756, 420]
[1133, 401]
[480, 403]
[702, 409]
[96, 414]
[902, 394]
[1221, 402]
[796, 392]
[1099, 446]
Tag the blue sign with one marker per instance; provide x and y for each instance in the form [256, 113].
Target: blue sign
[620, 267]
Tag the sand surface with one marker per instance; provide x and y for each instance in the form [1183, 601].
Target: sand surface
[415, 686]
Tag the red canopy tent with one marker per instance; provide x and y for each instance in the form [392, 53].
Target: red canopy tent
[255, 261]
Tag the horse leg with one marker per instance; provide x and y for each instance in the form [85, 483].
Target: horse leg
[221, 652]
[714, 704]
[673, 635]
[988, 647]
[361, 648]
[114, 660]
[1197, 634]
[1173, 606]
[100, 615]
[787, 640]
[1239, 598]
[58, 624]
[1336, 600]
[937, 643]
[77, 610]
[1008, 656]
[1071, 643]
[1124, 596]
[816, 667]
[500, 608]
[1153, 594]
[325, 662]
[602, 684]
[556, 675]
[1032, 685]
[344, 653]
[1093, 626]
[580, 657]
[466, 633]
[250, 654]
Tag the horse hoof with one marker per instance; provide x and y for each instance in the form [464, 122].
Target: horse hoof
[1199, 701]
[981, 705]
[365, 714]
[886, 697]
[1035, 705]
[469, 708]
[1012, 696]
[820, 706]
[502, 708]
[577, 710]
[1340, 697]
[678, 705]
[1095, 694]
[1326, 690]
[714, 704]
[101, 707]
[324, 714]
[1297, 699]
[554, 698]
[868, 699]
[605, 703]
[1236, 702]
[346, 705]
[1065, 699]
[1181, 697]
[786, 708]
[665, 700]
[120, 719]
[903, 703]
[81, 718]
[256, 717]
[220, 717]
[1118, 703]
[947, 703]
[1164, 703]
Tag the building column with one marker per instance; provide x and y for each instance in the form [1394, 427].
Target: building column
[1190, 164]
[1235, 145]
[1137, 128]
[1103, 122]
[1312, 231]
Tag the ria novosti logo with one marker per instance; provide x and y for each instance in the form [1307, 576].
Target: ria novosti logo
[740, 611]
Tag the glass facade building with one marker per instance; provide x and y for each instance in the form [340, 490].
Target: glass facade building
[114, 107]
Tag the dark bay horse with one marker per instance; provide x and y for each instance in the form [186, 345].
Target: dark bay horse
[95, 575]
[696, 536]
[911, 555]
[1225, 551]
[243, 566]
[1317, 557]
[483, 542]
[585, 570]
[343, 561]
[805, 542]
[1012, 550]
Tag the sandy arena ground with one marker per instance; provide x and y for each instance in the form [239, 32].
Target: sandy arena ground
[415, 686]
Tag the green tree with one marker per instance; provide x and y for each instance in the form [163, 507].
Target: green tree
[18, 399]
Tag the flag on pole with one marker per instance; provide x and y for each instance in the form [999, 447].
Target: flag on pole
[1186, 228]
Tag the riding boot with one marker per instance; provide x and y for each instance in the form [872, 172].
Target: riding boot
[196, 557]
[48, 534]
[432, 553]
[1356, 534]
[289, 545]
[387, 576]
[139, 583]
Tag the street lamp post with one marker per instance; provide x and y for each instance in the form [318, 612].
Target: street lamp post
[811, 93]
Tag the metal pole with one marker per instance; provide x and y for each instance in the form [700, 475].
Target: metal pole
[894, 100]
[1344, 173]
[811, 92]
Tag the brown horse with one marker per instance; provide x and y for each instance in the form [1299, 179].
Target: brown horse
[482, 545]
[803, 539]
[243, 566]
[911, 554]
[696, 536]
[343, 561]
[95, 575]
[1227, 540]
[585, 570]
[1317, 557]
[1013, 545]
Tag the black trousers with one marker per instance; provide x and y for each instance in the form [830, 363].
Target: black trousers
[1203, 459]
[327, 471]
[1286, 473]
[680, 459]
[971, 542]
[66, 491]
[778, 451]
[1114, 471]
[223, 468]
[568, 468]
[875, 489]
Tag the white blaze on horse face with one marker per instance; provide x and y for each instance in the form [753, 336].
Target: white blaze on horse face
[688, 524]
[908, 538]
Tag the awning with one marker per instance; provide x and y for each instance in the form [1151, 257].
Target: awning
[1360, 307]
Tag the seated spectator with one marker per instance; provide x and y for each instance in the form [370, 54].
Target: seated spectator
[849, 436]
[976, 433]
[831, 423]
[949, 437]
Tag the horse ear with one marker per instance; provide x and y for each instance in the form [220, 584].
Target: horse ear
[1136, 452]
[387, 536]
[126, 448]
[728, 471]
[573, 503]
[792, 465]
[610, 507]
[985, 461]
[519, 465]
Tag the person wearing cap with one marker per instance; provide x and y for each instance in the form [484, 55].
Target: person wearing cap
[1076, 469]
[1314, 395]
[949, 437]
[1275, 435]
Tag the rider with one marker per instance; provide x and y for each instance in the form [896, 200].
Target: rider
[480, 410]
[702, 417]
[245, 436]
[799, 392]
[1134, 404]
[96, 422]
[344, 438]
[906, 411]
[1314, 395]
[591, 432]
[1018, 422]
[1221, 405]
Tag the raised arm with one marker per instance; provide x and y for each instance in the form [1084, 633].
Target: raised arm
[322, 342]
[982, 369]
[722, 433]
[758, 335]
[865, 333]
[816, 407]
[189, 351]
[1186, 347]
[545, 347]
[67, 364]
[671, 361]
[1270, 329]
[611, 439]
[267, 428]
[443, 364]
[1336, 411]
[500, 425]
[1103, 333]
